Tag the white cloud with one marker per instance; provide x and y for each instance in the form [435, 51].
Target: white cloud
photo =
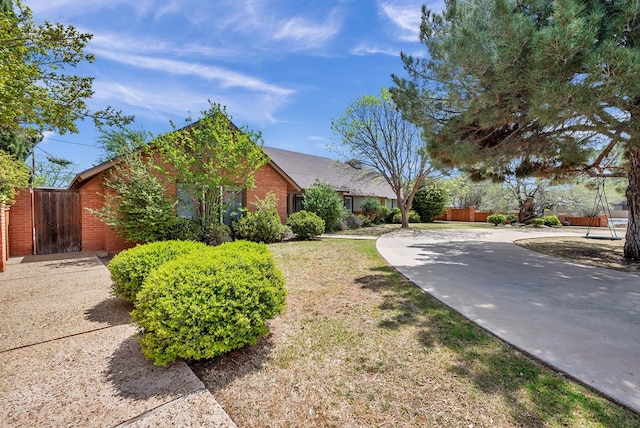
[406, 16]
[365, 49]
[226, 78]
[306, 34]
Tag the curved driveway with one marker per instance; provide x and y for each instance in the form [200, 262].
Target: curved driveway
[583, 321]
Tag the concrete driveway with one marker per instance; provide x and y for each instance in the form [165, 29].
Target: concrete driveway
[583, 321]
[68, 358]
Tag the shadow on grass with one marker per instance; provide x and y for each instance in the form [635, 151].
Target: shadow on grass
[492, 366]
[218, 372]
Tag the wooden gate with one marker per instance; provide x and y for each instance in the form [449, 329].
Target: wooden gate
[57, 216]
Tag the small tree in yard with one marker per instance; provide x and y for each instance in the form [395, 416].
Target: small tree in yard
[375, 134]
[322, 199]
[430, 201]
[136, 205]
[210, 155]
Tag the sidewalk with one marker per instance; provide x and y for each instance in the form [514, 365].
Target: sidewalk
[68, 358]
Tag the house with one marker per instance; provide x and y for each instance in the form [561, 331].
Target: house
[44, 221]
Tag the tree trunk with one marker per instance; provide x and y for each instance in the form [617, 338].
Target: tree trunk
[632, 243]
[405, 216]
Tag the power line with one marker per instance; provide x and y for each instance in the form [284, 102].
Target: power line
[71, 142]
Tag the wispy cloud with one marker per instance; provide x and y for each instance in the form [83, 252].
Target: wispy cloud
[366, 49]
[226, 78]
[405, 16]
[303, 33]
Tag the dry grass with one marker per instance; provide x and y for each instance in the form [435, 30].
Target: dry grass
[593, 252]
[380, 229]
[360, 346]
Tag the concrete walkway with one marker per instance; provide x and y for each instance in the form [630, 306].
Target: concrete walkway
[583, 321]
[67, 356]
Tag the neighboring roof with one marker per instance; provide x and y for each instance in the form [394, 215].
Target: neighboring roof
[92, 172]
[306, 169]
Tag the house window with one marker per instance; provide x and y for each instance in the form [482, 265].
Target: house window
[298, 203]
[348, 203]
[185, 207]
[233, 205]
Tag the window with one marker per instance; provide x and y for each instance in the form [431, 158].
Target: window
[348, 203]
[298, 203]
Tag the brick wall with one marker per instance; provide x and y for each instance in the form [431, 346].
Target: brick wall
[20, 229]
[268, 180]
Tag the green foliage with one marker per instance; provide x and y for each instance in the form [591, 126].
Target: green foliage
[216, 234]
[496, 219]
[511, 218]
[322, 199]
[531, 89]
[14, 176]
[131, 267]
[551, 220]
[136, 204]
[209, 155]
[370, 207]
[393, 213]
[184, 229]
[306, 225]
[383, 213]
[412, 216]
[209, 303]
[120, 141]
[261, 225]
[37, 86]
[430, 201]
[365, 219]
[537, 222]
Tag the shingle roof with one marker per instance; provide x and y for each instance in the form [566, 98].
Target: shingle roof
[306, 169]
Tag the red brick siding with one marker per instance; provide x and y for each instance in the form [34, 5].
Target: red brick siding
[20, 228]
[268, 180]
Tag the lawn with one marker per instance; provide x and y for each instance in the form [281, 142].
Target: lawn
[361, 346]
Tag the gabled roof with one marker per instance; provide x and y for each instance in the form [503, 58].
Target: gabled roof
[306, 169]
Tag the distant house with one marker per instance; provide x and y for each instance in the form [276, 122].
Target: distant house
[48, 221]
[351, 182]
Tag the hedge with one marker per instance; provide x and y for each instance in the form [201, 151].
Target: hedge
[208, 303]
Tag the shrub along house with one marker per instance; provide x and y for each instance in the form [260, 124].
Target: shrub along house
[48, 221]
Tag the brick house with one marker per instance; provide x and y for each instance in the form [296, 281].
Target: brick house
[287, 175]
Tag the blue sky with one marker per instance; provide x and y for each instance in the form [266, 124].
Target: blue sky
[282, 67]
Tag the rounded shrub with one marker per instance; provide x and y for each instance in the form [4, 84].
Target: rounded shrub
[496, 219]
[306, 225]
[430, 201]
[206, 304]
[413, 216]
[353, 221]
[130, 267]
[392, 214]
[551, 220]
[216, 234]
[537, 222]
[383, 213]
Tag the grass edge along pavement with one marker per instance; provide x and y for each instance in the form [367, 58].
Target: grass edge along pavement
[359, 345]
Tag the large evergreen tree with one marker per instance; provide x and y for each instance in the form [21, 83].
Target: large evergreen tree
[532, 88]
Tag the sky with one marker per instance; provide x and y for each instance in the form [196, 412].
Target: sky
[285, 68]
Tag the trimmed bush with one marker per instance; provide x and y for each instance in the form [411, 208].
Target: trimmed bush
[366, 220]
[537, 222]
[413, 216]
[430, 201]
[392, 214]
[305, 225]
[371, 207]
[323, 200]
[383, 213]
[551, 220]
[496, 219]
[130, 267]
[262, 225]
[207, 304]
